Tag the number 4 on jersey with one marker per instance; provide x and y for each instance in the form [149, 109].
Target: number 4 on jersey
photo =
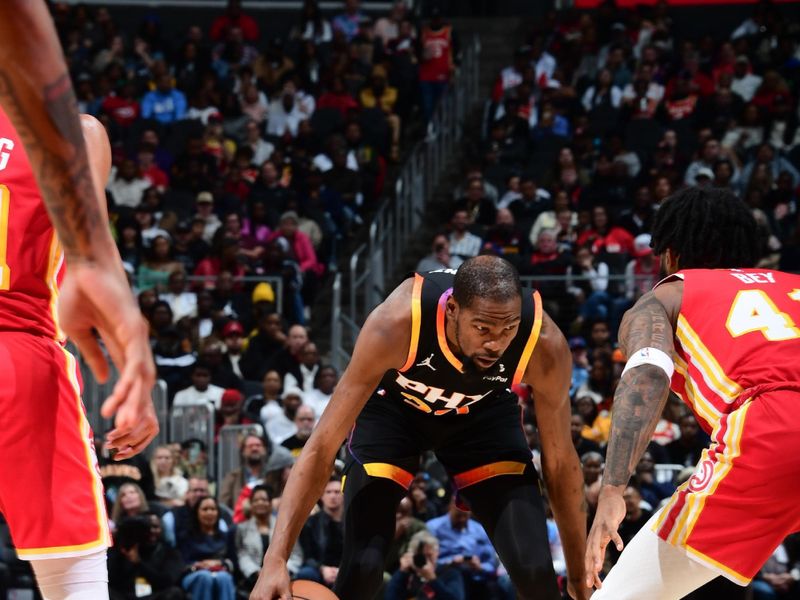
[752, 310]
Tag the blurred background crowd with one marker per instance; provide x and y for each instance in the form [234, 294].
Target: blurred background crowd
[248, 164]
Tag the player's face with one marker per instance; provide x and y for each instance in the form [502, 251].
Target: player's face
[484, 330]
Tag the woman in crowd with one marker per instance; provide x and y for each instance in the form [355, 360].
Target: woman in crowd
[207, 550]
[170, 484]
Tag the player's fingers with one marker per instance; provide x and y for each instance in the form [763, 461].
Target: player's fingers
[617, 540]
[126, 387]
[92, 353]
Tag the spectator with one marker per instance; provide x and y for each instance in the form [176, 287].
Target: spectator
[263, 347]
[349, 23]
[591, 461]
[170, 484]
[602, 94]
[417, 574]
[774, 163]
[379, 94]
[252, 538]
[318, 397]
[587, 282]
[644, 271]
[130, 502]
[337, 97]
[506, 240]
[313, 26]
[322, 537]
[127, 185]
[436, 62]
[604, 236]
[230, 411]
[303, 374]
[580, 364]
[301, 246]
[463, 243]
[532, 202]
[164, 104]
[465, 548]
[304, 420]
[387, 28]
[439, 258]
[479, 208]
[687, 449]
[744, 83]
[259, 456]
[710, 152]
[596, 423]
[140, 565]
[201, 392]
[182, 302]
[234, 17]
[280, 424]
[285, 113]
[208, 549]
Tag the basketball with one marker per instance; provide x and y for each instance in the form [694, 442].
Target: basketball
[302, 589]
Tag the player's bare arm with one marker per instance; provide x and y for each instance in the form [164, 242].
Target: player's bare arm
[382, 345]
[39, 99]
[638, 403]
[36, 92]
[549, 374]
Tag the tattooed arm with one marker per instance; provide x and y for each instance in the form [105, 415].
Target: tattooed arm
[37, 95]
[638, 402]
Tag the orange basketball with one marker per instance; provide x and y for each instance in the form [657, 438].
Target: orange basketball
[302, 589]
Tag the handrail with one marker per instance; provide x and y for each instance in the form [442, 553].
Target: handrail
[398, 218]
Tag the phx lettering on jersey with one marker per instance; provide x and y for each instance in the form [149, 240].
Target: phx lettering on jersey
[453, 401]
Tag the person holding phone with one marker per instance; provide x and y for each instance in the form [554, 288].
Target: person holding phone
[417, 576]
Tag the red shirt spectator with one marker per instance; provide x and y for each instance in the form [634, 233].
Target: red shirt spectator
[234, 17]
[605, 237]
[123, 108]
[338, 98]
[437, 52]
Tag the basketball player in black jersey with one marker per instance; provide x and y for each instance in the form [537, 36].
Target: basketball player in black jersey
[431, 370]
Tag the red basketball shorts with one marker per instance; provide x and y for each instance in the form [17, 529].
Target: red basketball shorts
[741, 501]
[50, 488]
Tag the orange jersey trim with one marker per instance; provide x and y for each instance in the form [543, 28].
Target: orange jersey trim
[416, 317]
[387, 471]
[478, 474]
[5, 271]
[532, 339]
[55, 262]
[441, 334]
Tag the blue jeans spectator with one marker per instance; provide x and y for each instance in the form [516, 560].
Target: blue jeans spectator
[210, 585]
[431, 92]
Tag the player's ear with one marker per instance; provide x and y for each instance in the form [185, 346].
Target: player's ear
[451, 307]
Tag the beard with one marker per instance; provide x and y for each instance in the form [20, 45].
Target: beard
[472, 371]
[254, 461]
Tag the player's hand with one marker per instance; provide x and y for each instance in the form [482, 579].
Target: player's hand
[273, 581]
[610, 513]
[96, 296]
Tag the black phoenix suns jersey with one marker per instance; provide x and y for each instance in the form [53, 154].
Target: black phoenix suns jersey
[433, 379]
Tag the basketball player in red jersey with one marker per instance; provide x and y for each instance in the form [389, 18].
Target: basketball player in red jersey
[727, 341]
[50, 490]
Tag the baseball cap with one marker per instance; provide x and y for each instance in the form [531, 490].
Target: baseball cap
[205, 197]
[231, 328]
[263, 292]
[295, 391]
[641, 245]
[704, 172]
[290, 215]
[576, 342]
[231, 396]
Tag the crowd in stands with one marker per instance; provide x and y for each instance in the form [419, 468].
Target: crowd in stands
[236, 155]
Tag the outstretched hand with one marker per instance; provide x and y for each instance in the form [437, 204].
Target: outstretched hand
[96, 297]
[610, 513]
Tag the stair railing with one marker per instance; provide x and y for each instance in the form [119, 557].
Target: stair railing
[400, 216]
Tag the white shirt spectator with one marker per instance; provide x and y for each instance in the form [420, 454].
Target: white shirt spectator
[127, 193]
[615, 94]
[280, 427]
[317, 400]
[262, 150]
[202, 114]
[746, 86]
[182, 305]
[462, 249]
[280, 121]
[655, 92]
[323, 36]
[323, 162]
[191, 396]
[308, 374]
